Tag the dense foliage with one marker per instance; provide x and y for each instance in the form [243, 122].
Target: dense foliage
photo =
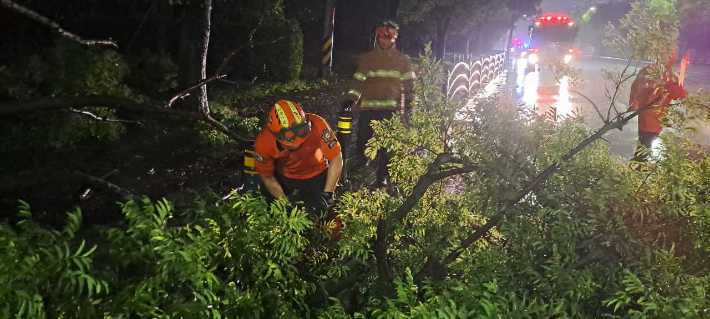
[487, 216]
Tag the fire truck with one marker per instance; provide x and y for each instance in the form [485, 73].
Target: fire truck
[551, 40]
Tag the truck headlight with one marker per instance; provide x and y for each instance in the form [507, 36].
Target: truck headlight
[568, 59]
[533, 58]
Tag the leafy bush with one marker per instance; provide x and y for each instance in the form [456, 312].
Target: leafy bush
[233, 120]
[65, 69]
[283, 60]
[219, 259]
[153, 73]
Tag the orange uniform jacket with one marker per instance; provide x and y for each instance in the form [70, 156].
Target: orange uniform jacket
[381, 78]
[643, 92]
[307, 161]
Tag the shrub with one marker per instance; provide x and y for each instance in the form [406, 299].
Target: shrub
[65, 69]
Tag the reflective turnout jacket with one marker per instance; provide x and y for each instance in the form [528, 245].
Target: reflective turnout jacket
[645, 91]
[381, 78]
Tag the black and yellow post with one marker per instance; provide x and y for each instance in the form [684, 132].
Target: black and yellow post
[345, 124]
[326, 62]
[250, 179]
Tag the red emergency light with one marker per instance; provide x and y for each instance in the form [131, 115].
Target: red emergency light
[551, 18]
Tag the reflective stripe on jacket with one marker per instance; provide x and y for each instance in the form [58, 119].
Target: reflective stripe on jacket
[381, 78]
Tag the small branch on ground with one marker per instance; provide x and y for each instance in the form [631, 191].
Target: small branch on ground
[85, 194]
[104, 184]
[29, 13]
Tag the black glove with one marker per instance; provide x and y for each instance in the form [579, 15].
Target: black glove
[347, 105]
[324, 202]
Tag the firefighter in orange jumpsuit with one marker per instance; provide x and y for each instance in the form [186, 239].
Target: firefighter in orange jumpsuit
[297, 152]
[655, 97]
[384, 81]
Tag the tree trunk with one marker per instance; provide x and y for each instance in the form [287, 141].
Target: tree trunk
[392, 9]
[442, 30]
[194, 42]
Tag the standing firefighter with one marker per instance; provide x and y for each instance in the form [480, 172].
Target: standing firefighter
[656, 97]
[384, 80]
[298, 152]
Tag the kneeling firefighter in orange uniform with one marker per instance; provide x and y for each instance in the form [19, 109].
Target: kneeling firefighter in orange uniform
[298, 157]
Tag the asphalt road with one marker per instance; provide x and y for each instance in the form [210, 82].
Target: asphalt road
[541, 91]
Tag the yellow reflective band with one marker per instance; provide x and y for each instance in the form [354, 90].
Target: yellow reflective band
[249, 159]
[249, 172]
[354, 92]
[282, 116]
[325, 59]
[294, 110]
[360, 77]
[345, 123]
[249, 162]
[327, 44]
[379, 103]
[408, 76]
[384, 74]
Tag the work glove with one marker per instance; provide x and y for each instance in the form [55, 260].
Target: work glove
[347, 105]
[324, 202]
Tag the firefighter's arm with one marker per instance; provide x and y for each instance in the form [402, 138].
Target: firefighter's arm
[334, 170]
[273, 186]
[264, 165]
[331, 149]
[357, 84]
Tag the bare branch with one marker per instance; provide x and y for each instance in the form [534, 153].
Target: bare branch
[596, 108]
[28, 106]
[104, 184]
[102, 119]
[187, 91]
[29, 13]
[230, 55]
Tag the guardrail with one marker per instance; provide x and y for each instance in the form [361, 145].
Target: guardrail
[473, 75]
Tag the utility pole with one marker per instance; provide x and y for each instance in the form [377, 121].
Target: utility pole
[326, 62]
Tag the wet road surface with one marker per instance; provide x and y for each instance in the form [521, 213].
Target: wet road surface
[539, 90]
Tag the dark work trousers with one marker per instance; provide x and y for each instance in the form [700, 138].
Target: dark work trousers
[364, 134]
[646, 140]
[307, 190]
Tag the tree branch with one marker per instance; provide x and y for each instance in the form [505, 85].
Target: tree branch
[541, 178]
[104, 184]
[102, 119]
[384, 226]
[230, 55]
[187, 91]
[28, 106]
[596, 108]
[29, 13]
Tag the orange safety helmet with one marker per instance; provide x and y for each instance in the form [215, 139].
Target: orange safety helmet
[288, 123]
